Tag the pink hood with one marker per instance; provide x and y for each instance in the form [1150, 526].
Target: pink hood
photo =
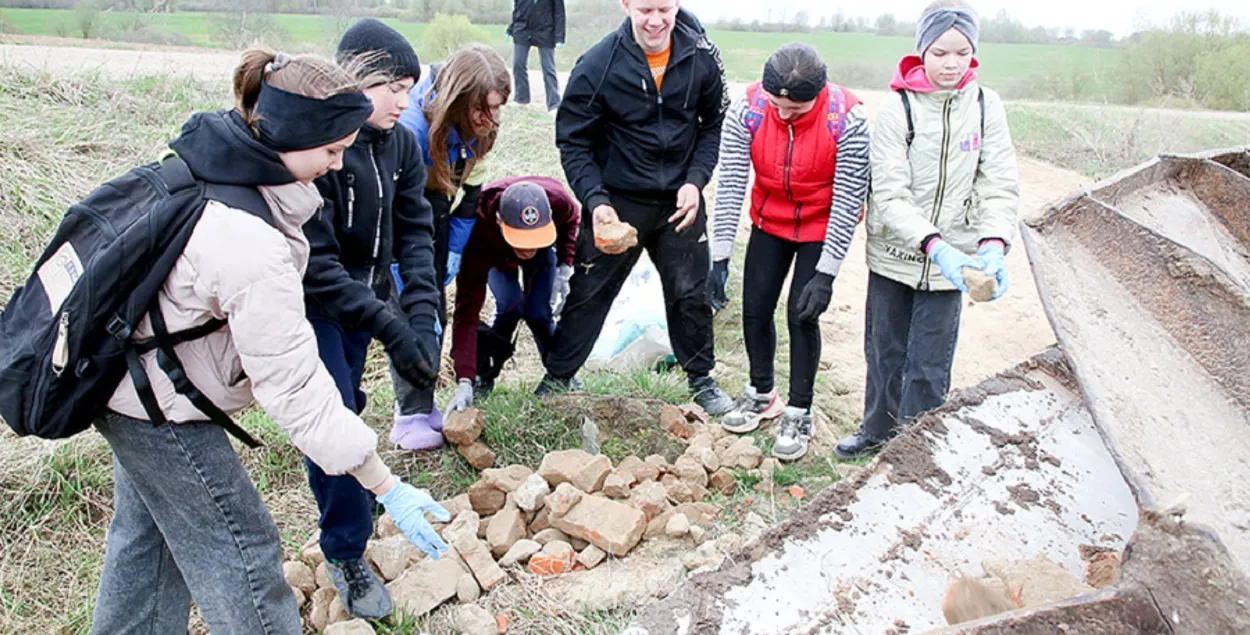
[910, 75]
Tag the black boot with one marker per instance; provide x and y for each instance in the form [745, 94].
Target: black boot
[857, 446]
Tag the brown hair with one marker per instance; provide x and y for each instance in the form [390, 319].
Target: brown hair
[463, 85]
[307, 75]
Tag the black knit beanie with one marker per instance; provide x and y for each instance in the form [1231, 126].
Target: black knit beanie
[371, 35]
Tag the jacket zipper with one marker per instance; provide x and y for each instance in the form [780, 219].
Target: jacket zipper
[351, 200]
[941, 190]
[789, 190]
[377, 232]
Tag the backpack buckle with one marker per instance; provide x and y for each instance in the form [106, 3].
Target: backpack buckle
[117, 327]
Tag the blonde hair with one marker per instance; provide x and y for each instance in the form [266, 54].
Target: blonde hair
[307, 75]
[463, 85]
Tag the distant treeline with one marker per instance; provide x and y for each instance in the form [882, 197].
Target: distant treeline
[1001, 28]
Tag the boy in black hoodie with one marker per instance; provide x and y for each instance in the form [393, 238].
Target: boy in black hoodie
[639, 134]
[375, 213]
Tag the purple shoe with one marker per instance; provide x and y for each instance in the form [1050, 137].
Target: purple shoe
[419, 431]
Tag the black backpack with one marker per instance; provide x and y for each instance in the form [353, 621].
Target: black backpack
[65, 336]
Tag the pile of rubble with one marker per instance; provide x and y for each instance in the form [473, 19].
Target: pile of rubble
[572, 514]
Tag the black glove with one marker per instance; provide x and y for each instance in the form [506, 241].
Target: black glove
[410, 353]
[716, 285]
[815, 297]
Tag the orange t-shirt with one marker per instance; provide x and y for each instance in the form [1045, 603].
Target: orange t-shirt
[659, 64]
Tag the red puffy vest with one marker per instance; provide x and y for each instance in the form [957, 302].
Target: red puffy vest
[795, 162]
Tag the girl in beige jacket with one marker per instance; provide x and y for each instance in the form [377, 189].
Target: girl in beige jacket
[188, 524]
[945, 193]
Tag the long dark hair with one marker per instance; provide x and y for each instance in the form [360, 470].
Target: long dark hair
[463, 85]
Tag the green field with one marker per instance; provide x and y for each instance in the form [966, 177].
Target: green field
[860, 60]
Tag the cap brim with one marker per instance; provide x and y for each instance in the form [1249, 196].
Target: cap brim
[537, 238]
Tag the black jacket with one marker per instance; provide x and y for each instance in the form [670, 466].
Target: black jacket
[537, 23]
[362, 230]
[616, 133]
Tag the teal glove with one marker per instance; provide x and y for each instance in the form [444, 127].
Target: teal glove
[453, 267]
[991, 253]
[952, 262]
[407, 506]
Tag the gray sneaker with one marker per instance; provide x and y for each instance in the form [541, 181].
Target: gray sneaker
[751, 409]
[359, 588]
[710, 397]
[793, 435]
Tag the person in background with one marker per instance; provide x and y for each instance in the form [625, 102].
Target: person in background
[639, 132]
[945, 195]
[455, 117]
[537, 23]
[807, 142]
[375, 214]
[188, 524]
[519, 220]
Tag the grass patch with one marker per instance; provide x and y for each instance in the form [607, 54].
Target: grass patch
[1099, 141]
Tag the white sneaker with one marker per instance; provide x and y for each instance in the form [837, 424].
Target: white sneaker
[794, 434]
[750, 410]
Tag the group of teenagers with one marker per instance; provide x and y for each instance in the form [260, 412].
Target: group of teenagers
[373, 170]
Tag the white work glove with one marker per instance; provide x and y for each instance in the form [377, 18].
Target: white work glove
[560, 292]
[464, 396]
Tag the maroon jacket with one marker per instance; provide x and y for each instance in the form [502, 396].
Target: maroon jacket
[488, 250]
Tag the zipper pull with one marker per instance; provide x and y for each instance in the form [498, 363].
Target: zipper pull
[643, 81]
[60, 351]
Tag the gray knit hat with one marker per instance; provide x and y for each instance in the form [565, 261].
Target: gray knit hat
[941, 17]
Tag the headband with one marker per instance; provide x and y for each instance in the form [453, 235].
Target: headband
[289, 122]
[799, 89]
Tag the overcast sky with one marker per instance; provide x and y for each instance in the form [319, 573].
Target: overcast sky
[1121, 18]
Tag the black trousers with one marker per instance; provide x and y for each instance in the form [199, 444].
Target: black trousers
[768, 263]
[909, 343]
[682, 262]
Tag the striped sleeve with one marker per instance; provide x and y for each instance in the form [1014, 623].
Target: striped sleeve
[850, 190]
[733, 172]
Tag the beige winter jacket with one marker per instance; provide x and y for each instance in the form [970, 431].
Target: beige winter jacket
[949, 182]
[239, 269]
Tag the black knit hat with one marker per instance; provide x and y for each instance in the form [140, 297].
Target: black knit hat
[370, 35]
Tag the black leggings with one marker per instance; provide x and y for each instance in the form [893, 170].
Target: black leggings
[767, 265]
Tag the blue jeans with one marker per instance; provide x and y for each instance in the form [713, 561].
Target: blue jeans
[909, 343]
[346, 508]
[532, 304]
[521, 76]
[187, 524]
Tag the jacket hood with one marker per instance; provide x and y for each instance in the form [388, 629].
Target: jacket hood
[219, 148]
[910, 75]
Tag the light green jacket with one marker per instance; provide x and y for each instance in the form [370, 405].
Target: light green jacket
[949, 182]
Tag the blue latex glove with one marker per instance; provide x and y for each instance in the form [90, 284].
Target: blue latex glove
[453, 267]
[952, 262]
[407, 506]
[991, 253]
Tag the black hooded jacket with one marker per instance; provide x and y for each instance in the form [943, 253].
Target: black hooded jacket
[375, 214]
[218, 147]
[537, 23]
[617, 132]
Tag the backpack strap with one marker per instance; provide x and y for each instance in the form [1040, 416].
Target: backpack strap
[240, 197]
[174, 172]
[911, 126]
[168, 360]
[757, 105]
